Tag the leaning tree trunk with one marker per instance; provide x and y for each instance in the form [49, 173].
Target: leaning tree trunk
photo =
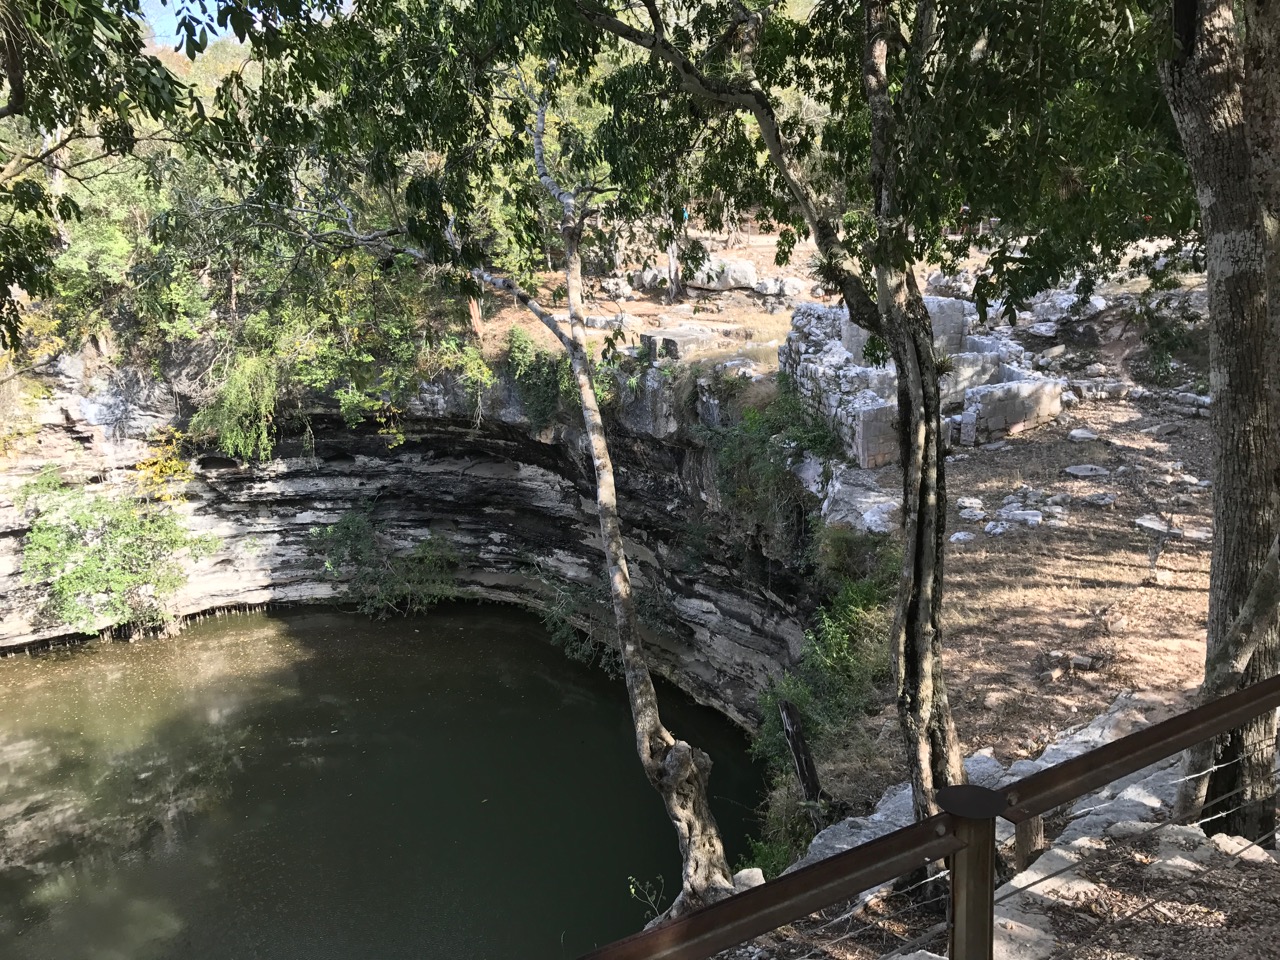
[678, 770]
[1204, 85]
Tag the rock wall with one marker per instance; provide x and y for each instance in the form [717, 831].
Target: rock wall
[517, 508]
[990, 382]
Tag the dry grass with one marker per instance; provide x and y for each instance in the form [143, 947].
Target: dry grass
[1089, 588]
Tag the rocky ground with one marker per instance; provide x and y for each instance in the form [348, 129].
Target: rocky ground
[1078, 569]
[1121, 881]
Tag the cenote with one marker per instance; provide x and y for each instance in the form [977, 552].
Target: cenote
[318, 785]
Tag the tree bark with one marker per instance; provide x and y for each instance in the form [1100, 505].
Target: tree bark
[924, 710]
[1205, 87]
[677, 770]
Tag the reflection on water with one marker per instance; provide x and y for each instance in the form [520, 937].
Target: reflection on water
[322, 786]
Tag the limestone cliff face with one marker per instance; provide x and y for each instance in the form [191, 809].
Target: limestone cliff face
[516, 506]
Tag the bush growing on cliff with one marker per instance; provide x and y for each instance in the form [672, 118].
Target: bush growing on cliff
[835, 684]
[382, 578]
[542, 377]
[107, 560]
[754, 459]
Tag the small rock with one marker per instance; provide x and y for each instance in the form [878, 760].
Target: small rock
[1079, 662]
[1046, 328]
[1086, 470]
[995, 528]
[1054, 510]
[1032, 518]
[1056, 522]
[748, 878]
[1154, 524]
[995, 445]
[1082, 435]
[1012, 498]
[1096, 370]
[963, 537]
[972, 515]
[969, 503]
[1163, 429]
[1060, 499]
[1102, 500]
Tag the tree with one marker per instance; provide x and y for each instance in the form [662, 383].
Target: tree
[677, 769]
[1222, 81]
[355, 165]
[952, 109]
[78, 85]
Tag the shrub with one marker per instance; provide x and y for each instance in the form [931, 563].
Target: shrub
[754, 459]
[112, 559]
[381, 578]
[837, 682]
[542, 378]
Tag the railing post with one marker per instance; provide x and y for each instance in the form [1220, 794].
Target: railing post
[973, 869]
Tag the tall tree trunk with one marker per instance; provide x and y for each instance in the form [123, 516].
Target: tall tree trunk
[923, 707]
[1205, 87]
[678, 770]
[924, 710]
[933, 748]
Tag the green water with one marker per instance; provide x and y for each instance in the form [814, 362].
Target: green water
[322, 786]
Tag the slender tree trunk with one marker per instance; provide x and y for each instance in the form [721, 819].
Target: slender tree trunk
[933, 748]
[924, 710]
[678, 770]
[1204, 84]
[923, 707]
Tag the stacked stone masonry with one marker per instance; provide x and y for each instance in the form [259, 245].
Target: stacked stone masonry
[991, 389]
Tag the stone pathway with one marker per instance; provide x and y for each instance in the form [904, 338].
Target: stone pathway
[1120, 882]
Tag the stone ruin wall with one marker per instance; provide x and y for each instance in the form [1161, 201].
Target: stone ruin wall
[992, 391]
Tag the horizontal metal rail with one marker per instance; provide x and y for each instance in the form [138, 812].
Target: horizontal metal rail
[704, 933]
[1080, 776]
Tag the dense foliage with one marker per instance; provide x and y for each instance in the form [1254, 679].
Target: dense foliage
[382, 576]
[107, 560]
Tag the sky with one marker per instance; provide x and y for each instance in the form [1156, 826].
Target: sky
[163, 20]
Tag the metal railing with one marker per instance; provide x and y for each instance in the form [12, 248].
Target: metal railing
[966, 833]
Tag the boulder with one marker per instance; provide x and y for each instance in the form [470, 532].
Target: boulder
[718, 274]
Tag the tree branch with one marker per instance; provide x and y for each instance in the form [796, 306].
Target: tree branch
[13, 73]
[752, 98]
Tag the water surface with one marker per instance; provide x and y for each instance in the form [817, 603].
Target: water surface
[320, 785]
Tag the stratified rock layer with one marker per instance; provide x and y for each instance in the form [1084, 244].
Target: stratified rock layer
[514, 504]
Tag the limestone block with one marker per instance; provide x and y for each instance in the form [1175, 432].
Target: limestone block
[717, 274]
[951, 322]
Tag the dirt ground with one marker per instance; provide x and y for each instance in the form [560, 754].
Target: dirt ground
[1093, 588]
